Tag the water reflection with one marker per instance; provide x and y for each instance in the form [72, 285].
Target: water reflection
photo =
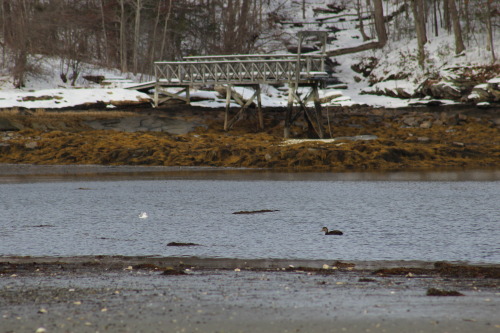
[36, 173]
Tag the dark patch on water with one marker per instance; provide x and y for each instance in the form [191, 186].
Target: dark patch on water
[182, 244]
[256, 211]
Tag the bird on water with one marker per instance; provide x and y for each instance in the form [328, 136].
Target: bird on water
[333, 232]
[143, 215]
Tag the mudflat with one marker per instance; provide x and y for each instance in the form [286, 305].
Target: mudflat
[150, 294]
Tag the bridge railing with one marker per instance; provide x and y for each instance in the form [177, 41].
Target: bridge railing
[240, 69]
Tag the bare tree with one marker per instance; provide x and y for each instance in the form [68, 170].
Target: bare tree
[360, 20]
[104, 33]
[446, 15]
[123, 39]
[165, 29]
[457, 30]
[18, 21]
[380, 22]
[490, 45]
[137, 4]
[418, 14]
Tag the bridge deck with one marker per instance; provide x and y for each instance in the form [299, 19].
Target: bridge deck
[240, 69]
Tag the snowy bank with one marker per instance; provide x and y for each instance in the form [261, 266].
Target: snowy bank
[70, 98]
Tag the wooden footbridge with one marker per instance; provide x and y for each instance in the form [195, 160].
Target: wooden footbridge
[295, 70]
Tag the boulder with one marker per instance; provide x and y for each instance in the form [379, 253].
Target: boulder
[6, 125]
[488, 92]
[444, 90]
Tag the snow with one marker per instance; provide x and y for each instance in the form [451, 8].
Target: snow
[64, 98]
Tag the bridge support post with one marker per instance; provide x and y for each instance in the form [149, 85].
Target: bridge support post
[259, 107]
[314, 121]
[157, 86]
[229, 123]
[289, 110]
[317, 107]
[228, 102]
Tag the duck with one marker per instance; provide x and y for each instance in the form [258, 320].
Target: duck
[333, 232]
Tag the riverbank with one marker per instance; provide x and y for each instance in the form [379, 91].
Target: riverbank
[360, 138]
[140, 294]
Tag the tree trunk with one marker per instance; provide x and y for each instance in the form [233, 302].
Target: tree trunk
[467, 17]
[152, 47]
[418, 13]
[457, 30]
[165, 26]
[123, 41]
[2, 44]
[436, 26]
[380, 22]
[446, 15]
[104, 34]
[137, 30]
[489, 28]
[360, 19]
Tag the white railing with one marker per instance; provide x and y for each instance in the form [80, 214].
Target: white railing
[240, 69]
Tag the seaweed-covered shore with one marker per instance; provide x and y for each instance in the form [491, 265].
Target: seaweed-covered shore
[365, 139]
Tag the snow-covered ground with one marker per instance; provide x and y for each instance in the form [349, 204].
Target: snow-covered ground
[69, 97]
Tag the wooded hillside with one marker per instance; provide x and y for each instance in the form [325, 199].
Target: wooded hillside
[131, 34]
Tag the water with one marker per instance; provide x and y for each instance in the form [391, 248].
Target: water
[381, 220]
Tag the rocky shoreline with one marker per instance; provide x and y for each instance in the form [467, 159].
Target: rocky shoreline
[360, 138]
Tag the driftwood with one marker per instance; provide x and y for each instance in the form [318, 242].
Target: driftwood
[256, 211]
[182, 244]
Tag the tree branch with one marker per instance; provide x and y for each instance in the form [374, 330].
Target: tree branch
[355, 49]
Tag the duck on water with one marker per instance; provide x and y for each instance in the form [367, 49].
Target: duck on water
[333, 232]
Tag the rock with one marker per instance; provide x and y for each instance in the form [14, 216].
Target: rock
[173, 271]
[483, 105]
[6, 125]
[143, 124]
[411, 121]
[365, 66]
[31, 145]
[365, 137]
[445, 90]
[426, 124]
[440, 292]
[331, 96]
[486, 92]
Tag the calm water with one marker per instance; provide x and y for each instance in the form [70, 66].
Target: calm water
[385, 219]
